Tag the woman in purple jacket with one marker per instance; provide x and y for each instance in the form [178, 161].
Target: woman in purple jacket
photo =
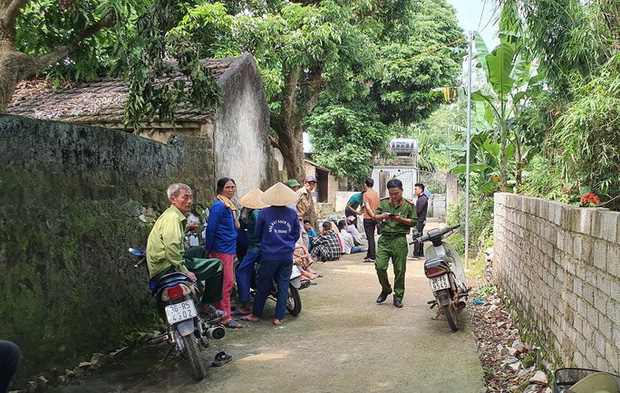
[278, 228]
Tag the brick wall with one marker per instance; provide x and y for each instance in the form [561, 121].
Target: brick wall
[560, 266]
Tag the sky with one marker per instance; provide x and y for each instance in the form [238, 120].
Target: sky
[468, 13]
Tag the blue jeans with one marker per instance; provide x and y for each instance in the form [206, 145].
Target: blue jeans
[279, 270]
[244, 275]
[355, 249]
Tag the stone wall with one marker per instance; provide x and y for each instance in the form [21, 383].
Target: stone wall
[70, 201]
[560, 266]
[241, 129]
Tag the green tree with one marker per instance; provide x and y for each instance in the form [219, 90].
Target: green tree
[414, 56]
[346, 138]
[301, 48]
[79, 38]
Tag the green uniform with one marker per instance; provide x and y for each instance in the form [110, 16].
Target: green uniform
[393, 244]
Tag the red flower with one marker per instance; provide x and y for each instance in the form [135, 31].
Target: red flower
[590, 198]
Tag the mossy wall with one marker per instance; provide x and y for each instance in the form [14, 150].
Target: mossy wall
[70, 201]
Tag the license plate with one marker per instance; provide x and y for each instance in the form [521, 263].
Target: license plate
[440, 282]
[181, 311]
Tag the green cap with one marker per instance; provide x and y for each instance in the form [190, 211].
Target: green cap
[293, 183]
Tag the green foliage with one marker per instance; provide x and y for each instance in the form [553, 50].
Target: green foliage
[158, 86]
[439, 137]
[44, 25]
[480, 221]
[587, 134]
[346, 139]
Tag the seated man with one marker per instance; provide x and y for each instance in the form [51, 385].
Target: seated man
[348, 242]
[326, 247]
[165, 252]
[310, 231]
[357, 237]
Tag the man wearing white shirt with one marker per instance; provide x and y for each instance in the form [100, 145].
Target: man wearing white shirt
[348, 245]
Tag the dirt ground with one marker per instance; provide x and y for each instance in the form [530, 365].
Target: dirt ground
[341, 342]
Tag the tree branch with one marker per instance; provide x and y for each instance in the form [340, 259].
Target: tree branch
[12, 10]
[62, 52]
[315, 88]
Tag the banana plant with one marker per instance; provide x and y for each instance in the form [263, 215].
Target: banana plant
[508, 77]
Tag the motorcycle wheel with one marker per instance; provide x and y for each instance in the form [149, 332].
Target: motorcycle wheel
[191, 352]
[450, 312]
[293, 302]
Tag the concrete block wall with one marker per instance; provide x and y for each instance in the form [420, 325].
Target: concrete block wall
[560, 265]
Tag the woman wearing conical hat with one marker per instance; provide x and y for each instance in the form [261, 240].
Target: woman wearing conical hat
[251, 204]
[278, 229]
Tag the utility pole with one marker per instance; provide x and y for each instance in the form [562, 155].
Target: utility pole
[470, 39]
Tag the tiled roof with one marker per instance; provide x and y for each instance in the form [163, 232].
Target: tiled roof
[95, 103]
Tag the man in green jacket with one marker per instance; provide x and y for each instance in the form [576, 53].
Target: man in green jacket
[398, 216]
[165, 252]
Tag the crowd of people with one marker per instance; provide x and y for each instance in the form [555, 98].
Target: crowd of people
[272, 233]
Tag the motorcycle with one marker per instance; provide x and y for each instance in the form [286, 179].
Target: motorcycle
[187, 331]
[446, 276]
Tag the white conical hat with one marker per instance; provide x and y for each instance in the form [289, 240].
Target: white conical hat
[279, 195]
[251, 199]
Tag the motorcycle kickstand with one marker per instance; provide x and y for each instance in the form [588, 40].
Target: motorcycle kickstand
[168, 354]
[439, 313]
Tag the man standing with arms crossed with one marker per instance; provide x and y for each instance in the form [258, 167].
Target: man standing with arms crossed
[399, 216]
[371, 203]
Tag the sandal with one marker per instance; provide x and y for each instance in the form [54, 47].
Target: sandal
[232, 324]
[250, 318]
[221, 359]
[278, 322]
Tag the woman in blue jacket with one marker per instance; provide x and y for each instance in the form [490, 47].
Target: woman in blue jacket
[221, 241]
[278, 228]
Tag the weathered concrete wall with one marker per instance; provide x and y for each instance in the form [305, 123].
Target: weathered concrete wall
[70, 198]
[561, 267]
[241, 129]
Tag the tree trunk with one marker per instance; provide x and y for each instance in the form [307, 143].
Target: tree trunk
[10, 62]
[502, 162]
[291, 142]
[287, 124]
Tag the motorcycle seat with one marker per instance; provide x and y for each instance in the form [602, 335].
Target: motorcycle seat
[439, 260]
[171, 279]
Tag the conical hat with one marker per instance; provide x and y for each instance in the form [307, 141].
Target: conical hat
[251, 199]
[279, 195]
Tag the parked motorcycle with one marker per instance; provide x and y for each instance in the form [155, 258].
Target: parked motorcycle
[187, 331]
[446, 276]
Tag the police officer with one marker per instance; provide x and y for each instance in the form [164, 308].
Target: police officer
[398, 216]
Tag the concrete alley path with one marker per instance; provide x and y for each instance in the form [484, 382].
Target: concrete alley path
[341, 342]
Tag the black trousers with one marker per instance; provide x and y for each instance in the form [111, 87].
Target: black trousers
[9, 359]
[369, 229]
[418, 248]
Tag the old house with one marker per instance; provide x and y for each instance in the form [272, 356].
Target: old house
[237, 130]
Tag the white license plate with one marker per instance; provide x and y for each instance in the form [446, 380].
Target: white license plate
[181, 311]
[440, 282]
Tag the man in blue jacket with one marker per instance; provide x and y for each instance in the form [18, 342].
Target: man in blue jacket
[278, 228]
